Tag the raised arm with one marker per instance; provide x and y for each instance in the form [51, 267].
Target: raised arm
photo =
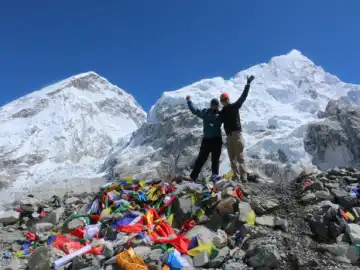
[193, 109]
[245, 93]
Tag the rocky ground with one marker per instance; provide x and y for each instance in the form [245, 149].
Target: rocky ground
[309, 223]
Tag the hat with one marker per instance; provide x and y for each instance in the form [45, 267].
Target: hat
[214, 102]
[224, 95]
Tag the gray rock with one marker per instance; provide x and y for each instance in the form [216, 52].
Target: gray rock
[339, 133]
[42, 227]
[220, 258]
[335, 229]
[29, 204]
[155, 255]
[235, 266]
[9, 217]
[40, 259]
[319, 227]
[263, 255]
[108, 250]
[281, 224]
[183, 208]
[220, 239]
[55, 216]
[226, 206]
[201, 259]
[342, 252]
[308, 198]
[244, 211]
[344, 198]
[265, 221]
[353, 231]
[324, 195]
[332, 185]
[343, 238]
[84, 261]
[73, 224]
[72, 200]
[314, 186]
[142, 251]
[94, 267]
[202, 232]
[264, 206]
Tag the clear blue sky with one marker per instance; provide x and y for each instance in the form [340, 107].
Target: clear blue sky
[147, 47]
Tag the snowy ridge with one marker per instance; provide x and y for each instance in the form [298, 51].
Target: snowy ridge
[63, 131]
[287, 94]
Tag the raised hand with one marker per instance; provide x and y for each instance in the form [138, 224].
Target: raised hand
[250, 79]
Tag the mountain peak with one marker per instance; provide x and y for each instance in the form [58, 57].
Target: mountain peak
[295, 53]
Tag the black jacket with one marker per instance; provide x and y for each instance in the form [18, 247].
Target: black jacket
[230, 115]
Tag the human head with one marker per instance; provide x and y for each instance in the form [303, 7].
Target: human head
[214, 104]
[224, 99]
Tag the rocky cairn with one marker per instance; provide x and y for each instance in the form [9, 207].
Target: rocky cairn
[310, 223]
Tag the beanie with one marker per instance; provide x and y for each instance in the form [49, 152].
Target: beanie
[214, 102]
[224, 95]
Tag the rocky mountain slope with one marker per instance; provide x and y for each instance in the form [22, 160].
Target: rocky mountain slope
[62, 132]
[288, 93]
[334, 141]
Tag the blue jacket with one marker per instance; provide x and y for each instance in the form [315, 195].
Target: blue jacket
[211, 121]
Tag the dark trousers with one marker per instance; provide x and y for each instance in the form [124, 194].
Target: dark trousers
[208, 145]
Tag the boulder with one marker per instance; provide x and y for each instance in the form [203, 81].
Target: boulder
[319, 227]
[244, 211]
[344, 198]
[29, 204]
[308, 198]
[42, 227]
[201, 259]
[264, 206]
[202, 232]
[220, 258]
[353, 231]
[235, 266]
[263, 256]
[324, 195]
[154, 255]
[342, 252]
[314, 186]
[281, 224]
[55, 216]
[220, 239]
[9, 217]
[72, 200]
[142, 251]
[226, 206]
[108, 250]
[73, 224]
[40, 259]
[265, 221]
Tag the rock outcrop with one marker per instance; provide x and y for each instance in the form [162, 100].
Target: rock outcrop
[335, 141]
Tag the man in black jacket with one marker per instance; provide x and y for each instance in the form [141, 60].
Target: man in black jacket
[235, 143]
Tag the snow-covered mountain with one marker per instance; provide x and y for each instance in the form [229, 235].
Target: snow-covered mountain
[68, 131]
[63, 131]
[287, 94]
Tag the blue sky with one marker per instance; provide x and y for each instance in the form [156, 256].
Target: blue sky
[147, 47]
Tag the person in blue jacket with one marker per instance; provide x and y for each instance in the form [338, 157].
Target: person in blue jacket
[212, 140]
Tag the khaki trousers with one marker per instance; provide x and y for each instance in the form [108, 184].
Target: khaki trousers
[235, 146]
